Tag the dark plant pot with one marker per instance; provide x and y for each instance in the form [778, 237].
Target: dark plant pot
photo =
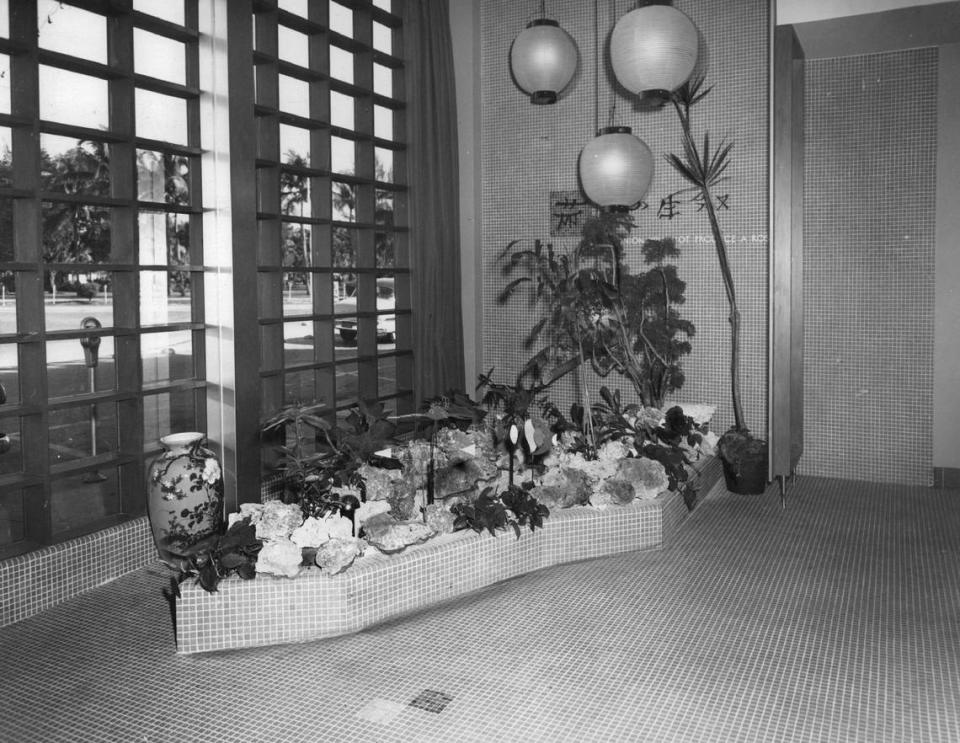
[748, 475]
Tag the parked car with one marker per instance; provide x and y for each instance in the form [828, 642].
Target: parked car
[386, 324]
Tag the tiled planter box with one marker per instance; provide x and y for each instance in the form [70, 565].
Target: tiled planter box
[270, 611]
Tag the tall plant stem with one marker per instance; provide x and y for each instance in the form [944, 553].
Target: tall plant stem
[703, 185]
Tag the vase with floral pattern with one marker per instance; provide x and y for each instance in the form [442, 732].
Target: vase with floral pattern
[184, 494]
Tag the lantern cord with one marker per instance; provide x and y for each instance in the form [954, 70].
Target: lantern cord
[596, 67]
[613, 88]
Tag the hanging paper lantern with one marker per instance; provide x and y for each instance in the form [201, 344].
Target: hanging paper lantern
[543, 59]
[616, 168]
[654, 49]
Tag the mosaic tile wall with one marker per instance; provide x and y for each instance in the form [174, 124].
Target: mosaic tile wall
[529, 151]
[42, 579]
[869, 226]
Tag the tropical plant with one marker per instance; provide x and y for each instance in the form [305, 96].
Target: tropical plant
[704, 169]
[322, 457]
[601, 313]
[219, 555]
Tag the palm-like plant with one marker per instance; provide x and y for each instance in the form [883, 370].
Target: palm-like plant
[704, 170]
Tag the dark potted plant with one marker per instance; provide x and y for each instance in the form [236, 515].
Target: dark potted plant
[744, 456]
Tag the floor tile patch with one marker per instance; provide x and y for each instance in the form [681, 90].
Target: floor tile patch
[431, 701]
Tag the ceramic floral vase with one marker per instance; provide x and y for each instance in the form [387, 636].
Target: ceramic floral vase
[184, 494]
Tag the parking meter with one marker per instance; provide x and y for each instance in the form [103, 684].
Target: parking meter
[90, 343]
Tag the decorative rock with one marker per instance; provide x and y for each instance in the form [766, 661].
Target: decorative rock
[463, 476]
[387, 535]
[439, 519]
[617, 492]
[648, 477]
[370, 509]
[274, 519]
[280, 557]
[336, 555]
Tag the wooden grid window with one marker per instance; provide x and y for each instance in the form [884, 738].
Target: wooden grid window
[333, 271]
[101, 257]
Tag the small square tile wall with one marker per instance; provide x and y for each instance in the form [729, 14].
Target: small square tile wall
[870, 131]
[43, 578]
[530, 150]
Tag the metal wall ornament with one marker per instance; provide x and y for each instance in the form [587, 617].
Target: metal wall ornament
[543, 59]
[653, 50]
[616, 169]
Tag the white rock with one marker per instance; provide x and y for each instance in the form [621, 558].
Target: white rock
[280, 557]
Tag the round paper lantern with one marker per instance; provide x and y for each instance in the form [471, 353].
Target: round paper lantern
[616, 168]
[543, 59]
[654, 49]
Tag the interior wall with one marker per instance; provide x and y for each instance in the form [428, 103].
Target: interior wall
[869, 228]
[946, 370]
[529, 151]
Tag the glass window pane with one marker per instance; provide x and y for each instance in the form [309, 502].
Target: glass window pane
[162, 177]
[168, 412]
[296, 254]
[299, 386]
[344, 202]
[384, 246]
[169, 10]
[164, 297]
[342, 156]
[78, 296]
[294, 96]
[83, 499]
[160, 57]
[341, 64]
[68, 372]
[11, 517]
[382, 122]
[341, 19]
[83, 431]
[345, 255]
[297, 7]
[298, 342]
[384, 164]
[384, 212]
[387, 375]
[161, 117]
[295, 145]
[341, 110]
[347, 383]
[69, 30]
[4, 84]
[293, 46]
[75, 166]
[164, 239]
[167, 357]
[294, 194]
[382, 38]
[75, 233]
[8, 306]
[382, 80]
[72, 98]
[11, 460]
[386, 5]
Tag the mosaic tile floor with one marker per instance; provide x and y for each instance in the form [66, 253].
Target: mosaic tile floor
[837, 619]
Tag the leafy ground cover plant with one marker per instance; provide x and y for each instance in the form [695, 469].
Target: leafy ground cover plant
[212, 559]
